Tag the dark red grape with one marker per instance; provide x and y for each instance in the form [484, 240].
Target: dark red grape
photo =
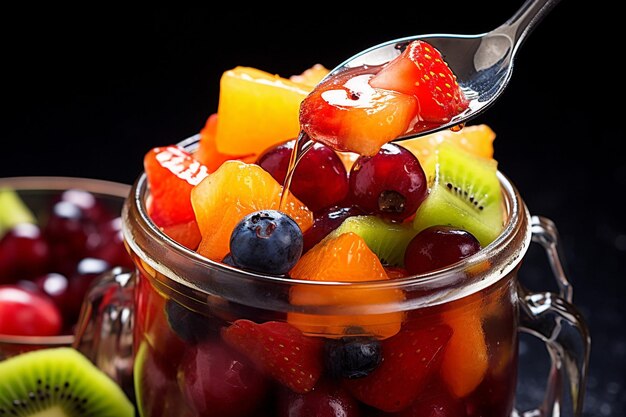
[24, 253]
[111, 245]
[391, 184]
[320, 178]
[87, 270]
[437, 247]
[92, 208]
[57, 287]
[325, 222]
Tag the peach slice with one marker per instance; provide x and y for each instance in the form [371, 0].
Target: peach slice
[230, 193]
[345, 258]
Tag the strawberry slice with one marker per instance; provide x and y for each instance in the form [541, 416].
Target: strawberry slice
[172, 172]
[347, 114]
[420, 71]
[410, 358]
[280, 350]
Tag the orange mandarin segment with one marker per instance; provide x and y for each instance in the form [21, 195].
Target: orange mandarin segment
[344, 258]
[466, 358]
[230, 193]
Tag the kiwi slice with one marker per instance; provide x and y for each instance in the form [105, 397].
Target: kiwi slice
[387, 240]
[464, 193]
[12, 210]
[58, 382]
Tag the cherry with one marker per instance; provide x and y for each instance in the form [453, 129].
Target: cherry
[91, 207]
[437, 247]
[87, 270]
[320, 178]
[327, 400]
[217, 381]
[57, 287]
[24, 253]
[27, 313]
[391, 184]
[111, 244]
[326, 221]
[70, 234]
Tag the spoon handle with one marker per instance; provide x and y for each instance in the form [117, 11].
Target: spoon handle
[525, 20]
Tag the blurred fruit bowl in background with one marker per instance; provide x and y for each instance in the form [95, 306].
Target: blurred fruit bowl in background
[57, 234]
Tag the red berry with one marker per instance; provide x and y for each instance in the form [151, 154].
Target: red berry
[217, 381]
[92, 208]
[391, 184]
[421, 72]
[55, 286]
[437, 247]
[327, 400]
[87, 270]
[172, 173]
[320, 178]
[24, 253]
[410, 359]
[27, 313]
[111, 247]
[279, 350]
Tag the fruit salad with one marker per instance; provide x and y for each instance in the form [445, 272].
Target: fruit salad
[360, 209]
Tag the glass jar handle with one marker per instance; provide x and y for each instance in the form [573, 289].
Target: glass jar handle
[554, 319]
[104, 332]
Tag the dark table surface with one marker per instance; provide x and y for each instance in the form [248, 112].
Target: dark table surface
[86, 92]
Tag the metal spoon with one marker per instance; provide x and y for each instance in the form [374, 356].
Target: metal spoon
[483, 63]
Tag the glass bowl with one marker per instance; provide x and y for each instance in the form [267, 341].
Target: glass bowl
[37, 192]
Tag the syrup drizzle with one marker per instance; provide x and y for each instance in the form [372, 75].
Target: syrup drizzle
[302, 145]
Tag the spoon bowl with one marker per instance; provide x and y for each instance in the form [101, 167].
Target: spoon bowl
[483, 63]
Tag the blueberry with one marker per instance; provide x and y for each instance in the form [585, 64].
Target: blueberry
[352, 356]
[266, 241]
[190, 326]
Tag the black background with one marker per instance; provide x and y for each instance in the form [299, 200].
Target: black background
[87, 91]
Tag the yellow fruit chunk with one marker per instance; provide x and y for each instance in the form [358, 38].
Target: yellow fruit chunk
[466, 358]
[311, 76]
[476, 139]
[256, 110]
[344, 258]
[236, 189]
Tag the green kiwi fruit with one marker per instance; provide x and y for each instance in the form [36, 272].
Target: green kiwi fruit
[387, 240]
[465, 193]
[58, 382]
[13, 210]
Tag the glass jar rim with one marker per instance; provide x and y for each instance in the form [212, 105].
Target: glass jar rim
[164, 255]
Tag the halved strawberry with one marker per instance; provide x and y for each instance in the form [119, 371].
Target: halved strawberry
[421, 71]
[172, 173]
[410, 359]
[347, 114]
[279, 350]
